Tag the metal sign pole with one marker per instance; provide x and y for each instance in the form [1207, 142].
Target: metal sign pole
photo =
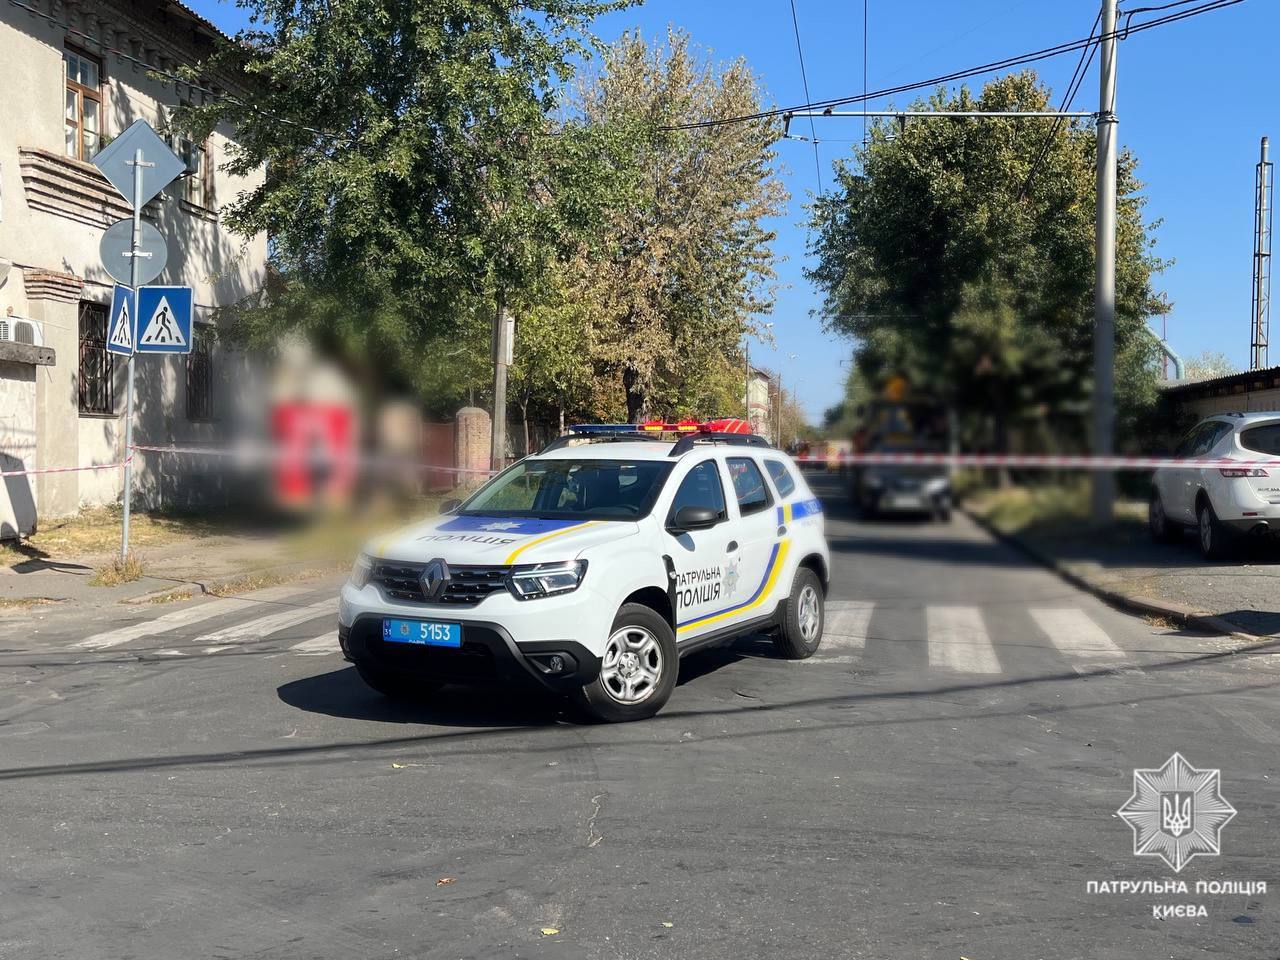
[134, 258]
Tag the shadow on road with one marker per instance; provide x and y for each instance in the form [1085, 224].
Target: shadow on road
[341, 693]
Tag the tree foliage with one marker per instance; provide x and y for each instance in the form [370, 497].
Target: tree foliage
[954, 253]
[688, 267]
[425, 157]
[410, 166]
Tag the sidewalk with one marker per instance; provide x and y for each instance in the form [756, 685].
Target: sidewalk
[1122, 564]
[191, 566]
[185, 557]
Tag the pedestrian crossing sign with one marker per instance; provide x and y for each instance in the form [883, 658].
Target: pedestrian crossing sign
[120, 321]
[163, 322]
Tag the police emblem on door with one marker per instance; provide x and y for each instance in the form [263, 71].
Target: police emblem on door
[434, 579]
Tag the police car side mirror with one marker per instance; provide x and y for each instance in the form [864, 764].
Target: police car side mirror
[694, 518]
[450, 505]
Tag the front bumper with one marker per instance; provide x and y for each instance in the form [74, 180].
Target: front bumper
[503, 639]
[488, 655]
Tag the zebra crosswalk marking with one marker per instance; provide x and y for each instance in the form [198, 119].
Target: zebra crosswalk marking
[846, 626]
[959, 641]
[264, 626]
[185, 616]
[1075, 635]
[322, 645]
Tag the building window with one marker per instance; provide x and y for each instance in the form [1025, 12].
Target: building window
[97, 390]
[200, 376]
[197, 185]
[84, 104]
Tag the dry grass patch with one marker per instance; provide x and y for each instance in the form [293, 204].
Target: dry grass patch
[118, 571]
[22, 603]
[97, 530]
[171, 597]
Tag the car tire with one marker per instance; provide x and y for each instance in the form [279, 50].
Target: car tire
[800, 634]
[1162, 529]
[638, 670]
[1215, 539]
[401, 687]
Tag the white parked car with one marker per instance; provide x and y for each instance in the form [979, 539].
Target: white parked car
[592, 568]
[1221, 502]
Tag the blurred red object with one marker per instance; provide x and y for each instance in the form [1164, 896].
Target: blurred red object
[317, 452]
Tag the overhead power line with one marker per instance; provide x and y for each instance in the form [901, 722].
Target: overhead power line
[804, 79]
[1068, 98]
[1008, 62]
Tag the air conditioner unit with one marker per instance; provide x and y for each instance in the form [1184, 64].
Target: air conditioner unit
[21, 330]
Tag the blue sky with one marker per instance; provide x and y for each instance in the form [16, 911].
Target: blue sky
[1193, 100]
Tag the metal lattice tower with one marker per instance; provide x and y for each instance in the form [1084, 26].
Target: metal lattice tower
[1260, 313]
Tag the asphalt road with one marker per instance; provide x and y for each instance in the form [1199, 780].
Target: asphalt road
[941, 781]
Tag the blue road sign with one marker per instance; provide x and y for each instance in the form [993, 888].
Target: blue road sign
[120, 324]
[163, 321]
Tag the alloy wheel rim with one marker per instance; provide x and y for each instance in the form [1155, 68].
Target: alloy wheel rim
[632, 665]
[808, 614]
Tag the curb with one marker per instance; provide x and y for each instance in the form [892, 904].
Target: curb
[198, 588]
[1179, 613]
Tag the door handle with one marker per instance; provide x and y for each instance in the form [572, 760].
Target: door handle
[732, 546]
[782, 530]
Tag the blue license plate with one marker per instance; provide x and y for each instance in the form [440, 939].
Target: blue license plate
[425, 632]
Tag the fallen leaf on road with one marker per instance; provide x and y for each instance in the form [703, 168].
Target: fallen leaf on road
[397, 766]
[669, 925]
[445, 880]
[549, 931]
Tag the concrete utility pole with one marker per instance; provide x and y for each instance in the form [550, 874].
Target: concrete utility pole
[503, 344]
[1261, 313]
[1104, 288]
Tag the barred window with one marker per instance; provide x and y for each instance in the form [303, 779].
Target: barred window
[200, 375]
[97, 386]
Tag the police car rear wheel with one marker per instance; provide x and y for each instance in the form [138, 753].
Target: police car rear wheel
[801, 632]
[637, 671]
[396, 686]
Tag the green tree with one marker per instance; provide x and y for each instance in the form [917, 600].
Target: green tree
[1209, 364]
[688, 266]
[953, 253]
[412, 174]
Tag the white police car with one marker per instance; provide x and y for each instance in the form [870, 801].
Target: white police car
[593, 567]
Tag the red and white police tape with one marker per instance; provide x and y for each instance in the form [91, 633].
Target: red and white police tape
[246, 456]
[250, 455]
[116, 465]
[1043, 461]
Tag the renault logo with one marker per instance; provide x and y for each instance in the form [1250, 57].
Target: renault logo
[434, 579]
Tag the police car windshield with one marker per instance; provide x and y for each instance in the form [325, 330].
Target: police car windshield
[572, 489]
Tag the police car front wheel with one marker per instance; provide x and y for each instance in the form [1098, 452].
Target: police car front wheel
[637, 671]
[800, 633]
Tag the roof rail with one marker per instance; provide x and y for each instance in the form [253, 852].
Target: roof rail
[595, 436]
[687, 443]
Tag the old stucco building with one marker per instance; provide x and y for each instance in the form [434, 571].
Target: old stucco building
[68, 90]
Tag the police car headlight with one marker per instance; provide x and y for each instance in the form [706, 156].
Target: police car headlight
[530, 581]
[361, 571]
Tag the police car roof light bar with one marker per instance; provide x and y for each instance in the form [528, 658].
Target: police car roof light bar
[727, 430]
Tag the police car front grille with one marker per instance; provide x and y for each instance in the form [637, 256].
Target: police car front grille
[468, 585]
